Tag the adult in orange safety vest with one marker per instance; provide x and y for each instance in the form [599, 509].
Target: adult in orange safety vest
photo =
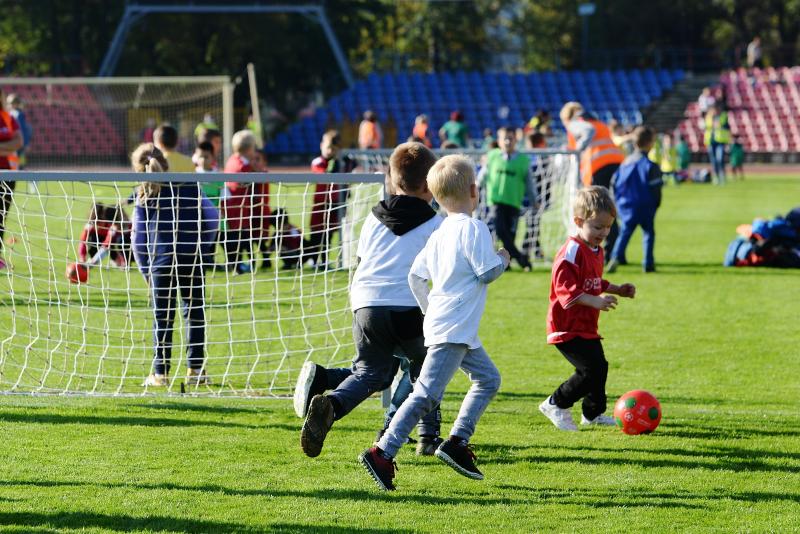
[600, 157]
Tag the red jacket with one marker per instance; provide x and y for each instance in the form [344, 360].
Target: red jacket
[238, 202]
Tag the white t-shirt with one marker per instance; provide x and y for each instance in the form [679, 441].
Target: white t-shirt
[381, 278]
[455, 256]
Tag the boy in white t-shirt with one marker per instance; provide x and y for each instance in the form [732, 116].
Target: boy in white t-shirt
[459, 260]
[386, 317]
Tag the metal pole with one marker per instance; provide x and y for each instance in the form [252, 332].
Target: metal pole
[227, 119]
[251, 77]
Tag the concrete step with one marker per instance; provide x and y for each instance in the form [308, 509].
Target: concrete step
[667, 113]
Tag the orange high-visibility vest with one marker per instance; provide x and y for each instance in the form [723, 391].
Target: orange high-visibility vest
[600, 152]
[369, 135]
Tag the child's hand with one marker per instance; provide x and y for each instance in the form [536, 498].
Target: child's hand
[503, 253]
[606, 302]
[627, 290]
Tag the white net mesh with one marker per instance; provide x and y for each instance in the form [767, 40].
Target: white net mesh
[96, 337]
[82, 122]
[543, 226]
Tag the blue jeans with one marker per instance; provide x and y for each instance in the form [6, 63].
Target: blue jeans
[716, 154]
[439, 367]
[165, 283]
[629, 224]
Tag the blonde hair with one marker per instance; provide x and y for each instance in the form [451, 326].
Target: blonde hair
[148, 158]
[569, 111]
[243, 140]
[593, 200]
[450, 178]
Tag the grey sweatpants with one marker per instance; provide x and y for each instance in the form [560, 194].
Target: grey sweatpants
[438, 369]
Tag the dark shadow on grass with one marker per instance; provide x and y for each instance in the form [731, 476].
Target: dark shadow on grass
[58, 419]
[117, 523]
[514, 396]
[714, 459]
[187, 407]
[326, 494]
[683, 430]
[294, 528]
[642, 496]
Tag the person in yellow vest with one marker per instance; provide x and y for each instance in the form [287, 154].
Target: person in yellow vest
[207, 123]
[717, 135]
[600, 157]
[255, 126]
[669, 159]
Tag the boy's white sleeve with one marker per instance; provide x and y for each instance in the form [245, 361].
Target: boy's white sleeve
[366, 231]
[479, 248]
[418, 278]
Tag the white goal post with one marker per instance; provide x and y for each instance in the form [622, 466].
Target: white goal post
[96, 337]
[97, 122]
[543, 226]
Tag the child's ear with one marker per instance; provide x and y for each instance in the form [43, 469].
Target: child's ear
[473, 190]
[578, 221]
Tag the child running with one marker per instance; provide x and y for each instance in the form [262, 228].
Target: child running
[459, 260]
[576, 300]
[386, 317]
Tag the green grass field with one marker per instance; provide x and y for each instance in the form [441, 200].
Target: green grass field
[717, 346]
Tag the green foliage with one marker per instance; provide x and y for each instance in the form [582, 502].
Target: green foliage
[713, 344]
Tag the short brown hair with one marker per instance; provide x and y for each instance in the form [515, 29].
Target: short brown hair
[166, 136]
[593, 200]
[643, 136]
[333, 137]
[409, 165]
[450, 178]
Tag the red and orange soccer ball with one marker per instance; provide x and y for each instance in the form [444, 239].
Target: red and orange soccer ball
[637, 412]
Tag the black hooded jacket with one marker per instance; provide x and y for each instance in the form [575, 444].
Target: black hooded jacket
[403, 213]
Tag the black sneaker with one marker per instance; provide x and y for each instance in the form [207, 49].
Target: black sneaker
[379, 468]
[427, 445]
[310, 382]
[460, 457]
[318, 422]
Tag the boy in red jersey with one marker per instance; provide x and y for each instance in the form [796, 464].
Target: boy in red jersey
[10, 142]
[576, 300]
[329, 200]
[238, 202]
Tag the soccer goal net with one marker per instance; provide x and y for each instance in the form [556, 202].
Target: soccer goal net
[78, 316]
[97, 122]
[544, 222]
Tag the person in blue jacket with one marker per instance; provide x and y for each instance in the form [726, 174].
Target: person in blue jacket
[168, 246]
[637, 190]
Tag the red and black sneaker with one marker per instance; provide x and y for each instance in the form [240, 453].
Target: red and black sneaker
[316, 426]
[379, 468]
[458, 455]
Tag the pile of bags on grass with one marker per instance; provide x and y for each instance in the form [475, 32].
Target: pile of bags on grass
[767, 243]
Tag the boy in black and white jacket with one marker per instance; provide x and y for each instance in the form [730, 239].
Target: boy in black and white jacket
[386, 317]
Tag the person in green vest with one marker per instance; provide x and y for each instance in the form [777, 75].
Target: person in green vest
[455, 131]
[506, 178]
[737, 158]
[206, 124]
[717, 136]
[255, 126]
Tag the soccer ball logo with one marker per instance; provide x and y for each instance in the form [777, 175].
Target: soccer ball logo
[637, 412]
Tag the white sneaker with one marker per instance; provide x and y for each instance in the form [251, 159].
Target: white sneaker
[560, 417]
[302, 390]
[197, 377]
[602, 419]
[155, 381]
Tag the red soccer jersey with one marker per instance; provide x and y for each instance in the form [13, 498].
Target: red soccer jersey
[577, 270]
[238, 204]
[8, 127]
[324, 214]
